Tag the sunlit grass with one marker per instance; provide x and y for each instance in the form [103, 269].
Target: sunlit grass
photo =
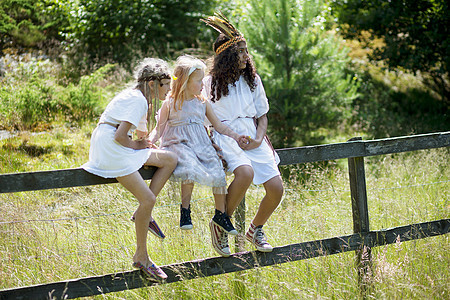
[63, 234]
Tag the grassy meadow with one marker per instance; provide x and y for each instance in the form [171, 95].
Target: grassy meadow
[63, 234]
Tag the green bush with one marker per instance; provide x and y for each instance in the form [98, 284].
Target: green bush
[27, 25]
[120, 31]
[31, 97]
[396, 104]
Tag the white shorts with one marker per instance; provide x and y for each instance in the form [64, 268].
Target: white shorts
[263, 172]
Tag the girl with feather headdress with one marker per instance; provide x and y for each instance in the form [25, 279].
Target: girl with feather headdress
[238, 98]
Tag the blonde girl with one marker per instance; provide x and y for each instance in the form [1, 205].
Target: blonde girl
[181, 127]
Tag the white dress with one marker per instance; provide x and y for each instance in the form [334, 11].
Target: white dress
[238, 110]
[185, 134]
[108, 158]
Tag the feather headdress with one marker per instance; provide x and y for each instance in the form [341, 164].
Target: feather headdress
[220, 23]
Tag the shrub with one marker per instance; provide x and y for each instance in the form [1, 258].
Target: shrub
[31, 97]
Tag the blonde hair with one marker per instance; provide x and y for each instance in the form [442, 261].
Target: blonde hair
[184, 67]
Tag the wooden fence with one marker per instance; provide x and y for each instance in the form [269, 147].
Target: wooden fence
[361, 241]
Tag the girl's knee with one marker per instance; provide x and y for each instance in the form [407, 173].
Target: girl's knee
[171, 159]
[148, 202]
[275, 188]
[244, 173]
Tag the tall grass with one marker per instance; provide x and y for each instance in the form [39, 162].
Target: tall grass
[63, 234]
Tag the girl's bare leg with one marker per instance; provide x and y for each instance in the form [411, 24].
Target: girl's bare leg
[274, 192]
[186, 194]
[220, 201]
[138, 187]
[243, 177]
[166, 162]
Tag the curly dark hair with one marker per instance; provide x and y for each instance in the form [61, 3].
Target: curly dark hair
[225, 70]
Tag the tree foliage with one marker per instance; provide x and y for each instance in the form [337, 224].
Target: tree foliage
[30, 24]
[117, 30]
[416, 34]
[303, 67]
[101, 31]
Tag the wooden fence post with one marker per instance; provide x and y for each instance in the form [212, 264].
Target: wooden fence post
[240, 226]
[239, 240]
[360, 213]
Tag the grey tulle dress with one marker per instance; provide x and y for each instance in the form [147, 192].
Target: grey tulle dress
[186, 135]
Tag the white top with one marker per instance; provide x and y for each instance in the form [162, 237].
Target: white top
[240, 102]
[129, 105]
[238, 110]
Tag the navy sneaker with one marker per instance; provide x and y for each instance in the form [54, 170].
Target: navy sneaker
[222, 220]
[185, 218]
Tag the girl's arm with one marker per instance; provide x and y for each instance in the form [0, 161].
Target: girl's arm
[260, 133]
[219, 126]
[121, 136]
[161, 123]
[141, 130]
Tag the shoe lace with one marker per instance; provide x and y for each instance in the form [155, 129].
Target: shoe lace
[223, 240]
[260, 236]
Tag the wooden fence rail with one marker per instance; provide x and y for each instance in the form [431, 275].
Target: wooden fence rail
[33, 181]
[355, 150]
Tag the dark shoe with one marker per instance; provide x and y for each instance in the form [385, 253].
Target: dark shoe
[151, 271]
[219, 239]
[223, 221]
[153, 228]
[185, 218]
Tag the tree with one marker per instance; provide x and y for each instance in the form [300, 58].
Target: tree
[118, 30]
[416, 34]
[30, 24]
[303, 67]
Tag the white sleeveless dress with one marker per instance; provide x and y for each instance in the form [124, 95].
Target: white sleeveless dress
[107, 158]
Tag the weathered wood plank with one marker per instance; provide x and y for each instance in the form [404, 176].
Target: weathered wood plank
[363, 148]
[407, 143]
[42, 180]
[237, 262]
[360, 213]
[308, 154]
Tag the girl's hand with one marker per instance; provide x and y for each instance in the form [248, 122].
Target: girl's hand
[141, 134]
[242, 140]
[248, 143]
[143, 144]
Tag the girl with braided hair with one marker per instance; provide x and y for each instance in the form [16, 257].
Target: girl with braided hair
[238, 99]
[114, 154]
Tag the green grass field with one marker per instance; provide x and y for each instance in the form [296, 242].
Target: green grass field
[63, 234]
